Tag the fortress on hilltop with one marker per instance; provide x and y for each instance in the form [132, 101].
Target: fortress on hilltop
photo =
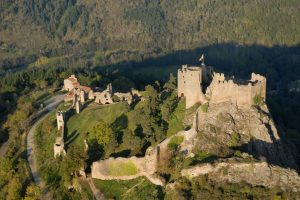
[202, 85]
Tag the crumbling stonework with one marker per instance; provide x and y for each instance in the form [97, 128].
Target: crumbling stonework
[71, 84]
[59, 147]
[124, 97]
[60, 118]
[146, 166]
[226, 90]
[192, 81]
[104, 97]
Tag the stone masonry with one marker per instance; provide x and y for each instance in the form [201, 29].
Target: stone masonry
[193, 80]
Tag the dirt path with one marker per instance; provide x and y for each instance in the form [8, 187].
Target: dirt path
[53, 102]
[97, 193]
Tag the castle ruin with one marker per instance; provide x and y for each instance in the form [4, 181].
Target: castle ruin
[60, 118]
[201, 85]
[59, 145]
[104, 97]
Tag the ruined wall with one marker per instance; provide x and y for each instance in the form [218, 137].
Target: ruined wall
[262, 82]
[222, 90]
[60, 120]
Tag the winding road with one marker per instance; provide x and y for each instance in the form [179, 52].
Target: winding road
[42, 114]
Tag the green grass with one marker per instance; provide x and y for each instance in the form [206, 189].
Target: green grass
[86, 190]
[78, 124]
[175, 142]
[122, 168]
[45, 135]
[114, 188]
[176, 119]
[201, 155]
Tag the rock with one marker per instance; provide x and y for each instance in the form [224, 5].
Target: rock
[257, 174]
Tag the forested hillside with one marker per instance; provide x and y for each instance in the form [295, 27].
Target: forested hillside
[42, 32]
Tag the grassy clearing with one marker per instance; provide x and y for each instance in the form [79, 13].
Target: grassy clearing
[115, 189]
[79, 124]
[122, 168]
[140, 188]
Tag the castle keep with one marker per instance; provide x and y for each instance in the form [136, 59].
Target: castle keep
[201, 85]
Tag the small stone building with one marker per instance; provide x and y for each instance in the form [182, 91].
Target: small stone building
[71, 84]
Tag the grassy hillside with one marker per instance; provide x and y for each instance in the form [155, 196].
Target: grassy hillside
[103, 31]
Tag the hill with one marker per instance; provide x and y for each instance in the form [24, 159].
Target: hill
[101, 32]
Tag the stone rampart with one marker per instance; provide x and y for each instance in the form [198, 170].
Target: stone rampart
[221, 90]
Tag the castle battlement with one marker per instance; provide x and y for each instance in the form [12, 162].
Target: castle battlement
[220, 88]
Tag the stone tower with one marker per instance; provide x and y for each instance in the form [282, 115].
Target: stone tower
[189, 84]
[59, 145]
[60, 118]
[78, 106]
[76, 101]
[82, 96]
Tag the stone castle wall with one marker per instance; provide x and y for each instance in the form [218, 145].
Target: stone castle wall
[190, 83]
[221, 90]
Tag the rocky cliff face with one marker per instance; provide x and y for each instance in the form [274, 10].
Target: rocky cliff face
[246, 147]
[225, 128]
[255, 173]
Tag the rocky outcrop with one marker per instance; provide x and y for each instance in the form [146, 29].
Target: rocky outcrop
[254, 173]
[225, 128]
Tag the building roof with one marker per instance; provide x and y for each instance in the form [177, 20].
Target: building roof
[84, 88]
[72, 79]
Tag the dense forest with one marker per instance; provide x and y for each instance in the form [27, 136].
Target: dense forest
[137, 43]
[95, 33]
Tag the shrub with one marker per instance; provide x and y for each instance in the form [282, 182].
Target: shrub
[175, 142]
[237, 153]
[204, 107]
[235, 138]
[257, 100]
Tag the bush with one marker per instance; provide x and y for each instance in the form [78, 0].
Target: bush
[257, 100]
[235, 138]
[204, 107]
[175, 142]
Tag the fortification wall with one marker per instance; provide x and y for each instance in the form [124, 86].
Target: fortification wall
[262, 82]
[222, 90]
